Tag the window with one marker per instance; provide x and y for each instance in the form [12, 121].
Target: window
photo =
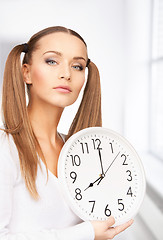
[156, 86]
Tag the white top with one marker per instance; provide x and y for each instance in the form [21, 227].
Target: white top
[22, 217]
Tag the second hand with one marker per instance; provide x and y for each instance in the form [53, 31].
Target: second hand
[108, 168]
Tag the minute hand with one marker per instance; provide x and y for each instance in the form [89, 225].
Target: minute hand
[101, 162]
[108, 168]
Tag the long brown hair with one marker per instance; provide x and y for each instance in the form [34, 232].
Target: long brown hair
[14, 107]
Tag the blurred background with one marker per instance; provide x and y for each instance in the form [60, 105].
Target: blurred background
[125, 41]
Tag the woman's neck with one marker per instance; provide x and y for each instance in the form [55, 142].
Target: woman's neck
[44, 121]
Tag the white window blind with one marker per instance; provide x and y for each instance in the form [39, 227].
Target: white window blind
[156, 84]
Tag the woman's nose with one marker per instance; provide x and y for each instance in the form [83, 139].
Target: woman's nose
[65, 73]
[64, 77]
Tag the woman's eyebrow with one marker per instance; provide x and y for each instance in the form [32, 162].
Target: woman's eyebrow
[60, 54]
[77, 58]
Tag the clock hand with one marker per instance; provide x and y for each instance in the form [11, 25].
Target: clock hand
[112, 162]
[108, 168]
[101, 175]
[91, 184]
[101, 162]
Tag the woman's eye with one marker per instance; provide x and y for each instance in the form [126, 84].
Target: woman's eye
[51, 62]
[78, 67]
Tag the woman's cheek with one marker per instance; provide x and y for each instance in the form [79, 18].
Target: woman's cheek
[39, 75]
[81, 84]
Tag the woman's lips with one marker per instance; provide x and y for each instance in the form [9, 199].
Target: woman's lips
[63, 89]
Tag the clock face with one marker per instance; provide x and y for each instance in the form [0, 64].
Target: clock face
[101, 175]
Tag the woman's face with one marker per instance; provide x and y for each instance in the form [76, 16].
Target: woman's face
[57, 70]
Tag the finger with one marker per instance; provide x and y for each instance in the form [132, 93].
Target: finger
[124, 226]
[113, 231]
[110, 221]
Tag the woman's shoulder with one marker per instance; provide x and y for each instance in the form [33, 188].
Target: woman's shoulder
[8, 158]
[3, 138]
[7, 145]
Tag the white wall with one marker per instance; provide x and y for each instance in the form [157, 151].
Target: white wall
[101, 23]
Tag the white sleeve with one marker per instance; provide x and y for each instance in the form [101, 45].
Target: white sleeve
[8, 174]
[82, 231]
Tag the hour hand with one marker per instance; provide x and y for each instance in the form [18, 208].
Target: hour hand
[91, 184]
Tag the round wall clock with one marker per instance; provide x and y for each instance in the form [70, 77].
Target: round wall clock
[101, 175]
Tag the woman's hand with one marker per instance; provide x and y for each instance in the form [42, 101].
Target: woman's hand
[104, 231]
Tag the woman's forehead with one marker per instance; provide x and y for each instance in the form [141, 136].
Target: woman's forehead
[62, 42]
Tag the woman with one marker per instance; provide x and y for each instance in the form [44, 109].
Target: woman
[53, 72]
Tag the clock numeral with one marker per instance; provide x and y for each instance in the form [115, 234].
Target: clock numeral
[84, 148]
[107, 211]
[75, 160]
[92, 205]
[78, 195]
[125, 158]
[111, 145]
[129, 175]
[96, 143]
[73, 175]
[129, 192]
[121, 204]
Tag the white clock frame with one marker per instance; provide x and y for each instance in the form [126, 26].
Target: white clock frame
[119, 142]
